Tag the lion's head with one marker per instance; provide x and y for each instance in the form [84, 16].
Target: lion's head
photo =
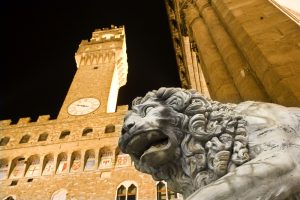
[183, 138]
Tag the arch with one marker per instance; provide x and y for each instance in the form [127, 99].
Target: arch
[64, 134]
[89, 160]
[161, 191]
[127, 190]
[106, 158]
[59, 194]
[132, 192]
[48, 164]
[4, 141]
[33, 166]
[87, 131]
[10, 197]
[62, 163]
[24, 139]
[43, 137]
[3, 168]
[75, 161]
[17, 167]
[121, 193]
[110, 128]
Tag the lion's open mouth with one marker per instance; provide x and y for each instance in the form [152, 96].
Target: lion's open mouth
[147, 142]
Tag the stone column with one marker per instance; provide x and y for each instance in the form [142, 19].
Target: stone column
[247, 86]
[218, 79]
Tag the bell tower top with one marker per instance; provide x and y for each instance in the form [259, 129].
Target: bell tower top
[102, 70]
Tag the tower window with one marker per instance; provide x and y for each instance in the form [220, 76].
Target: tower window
[43, 137]
[131, 192]
[64, 134]
[161, 191]
[14, 182]
[4, 141]
[110, 128]
[25, 139]
[86, 131]
[121, 194]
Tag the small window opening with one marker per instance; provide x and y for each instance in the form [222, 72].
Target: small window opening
[30, 180]
[86, 131]
[43, 137]
[64, 134]
[110, 128]
[131, 192]
[9, 198]
[4, 141]
[95, 67]
[14, 182]
[25, 139]
[121, 193]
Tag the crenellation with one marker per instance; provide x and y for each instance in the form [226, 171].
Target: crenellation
[5, 122]
[43, 118]
[24, 121]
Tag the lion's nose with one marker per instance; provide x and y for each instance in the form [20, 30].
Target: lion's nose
[127, 126]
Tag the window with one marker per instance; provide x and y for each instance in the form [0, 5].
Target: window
[86, 131]
[9, 198]
[64, 134]
[121, 194]
[25, 139]
[43, 137]
[127, 191]
[163, 193]
[3, 168]
[14, 182]
[29, 180]
[110, 128]
[131, 192]
[4, 141]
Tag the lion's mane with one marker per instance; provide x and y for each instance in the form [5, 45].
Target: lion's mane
[214, 138]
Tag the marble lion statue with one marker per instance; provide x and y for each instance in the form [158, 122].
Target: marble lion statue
[207, 150]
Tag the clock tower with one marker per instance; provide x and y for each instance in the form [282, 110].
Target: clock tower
[102, 70]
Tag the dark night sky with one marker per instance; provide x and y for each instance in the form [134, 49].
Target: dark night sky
[39, 40]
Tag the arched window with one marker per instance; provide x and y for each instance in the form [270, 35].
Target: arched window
[33, 166]
[121, 193]
[11, 197]
[60, 195]
[43, 137]
[127, 190]
[86, 131]
[4, 141]
[163, 193]
[131, 195]
[64, 134]
[110, 128]
[25, 139]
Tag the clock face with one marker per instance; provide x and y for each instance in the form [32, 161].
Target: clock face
[83, 106]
